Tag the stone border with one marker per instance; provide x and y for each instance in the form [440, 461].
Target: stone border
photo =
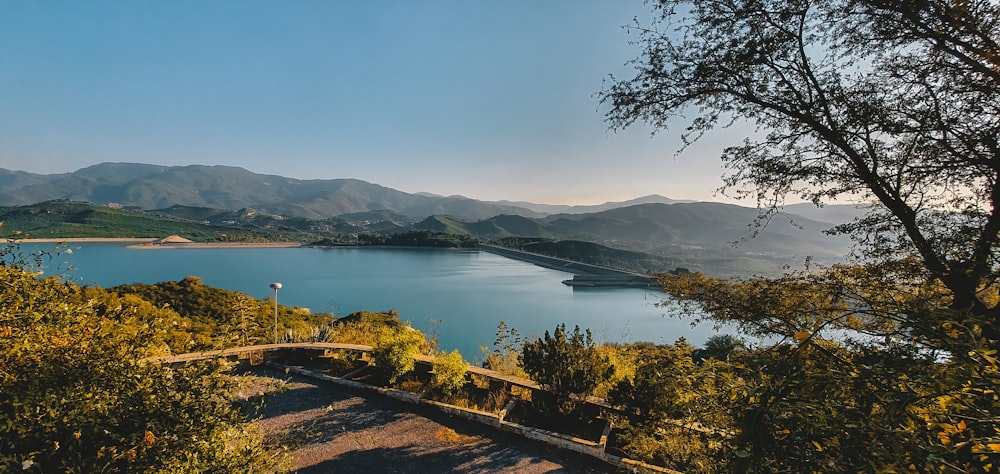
[256, 354]
[559, 440]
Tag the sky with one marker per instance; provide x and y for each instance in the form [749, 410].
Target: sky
[494, 100]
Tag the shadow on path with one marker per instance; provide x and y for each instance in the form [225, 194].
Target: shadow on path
[328, 428]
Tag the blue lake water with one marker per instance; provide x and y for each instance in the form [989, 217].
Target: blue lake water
[466, 291]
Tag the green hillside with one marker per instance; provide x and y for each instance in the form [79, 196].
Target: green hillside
[445, 224]
[646, 237]
[594, 254]
[69, 219]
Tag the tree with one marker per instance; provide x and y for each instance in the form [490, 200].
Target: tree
[243, 322]
[888, 363]
[568, 366]
[218, 318]
[892, 102]
[665, 401]
[847, 387]
[720, 346]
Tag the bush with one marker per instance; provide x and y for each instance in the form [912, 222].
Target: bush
[368, 328]
[449, 372]
[569, 368]
[76, 394]
[395, 355]
[504, 357]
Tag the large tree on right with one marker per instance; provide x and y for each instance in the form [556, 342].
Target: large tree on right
[895, 104]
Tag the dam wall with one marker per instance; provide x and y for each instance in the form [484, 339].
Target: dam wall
[585, 274]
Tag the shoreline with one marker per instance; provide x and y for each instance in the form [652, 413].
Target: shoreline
[150, 243]
[109, 240]
[584, 275]
[216, 245]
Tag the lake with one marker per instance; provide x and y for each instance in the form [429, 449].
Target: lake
[460, 294]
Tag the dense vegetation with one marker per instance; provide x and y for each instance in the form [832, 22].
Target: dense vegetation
[567, 365]
[216, 318]
[807, 402]
[76, 394]
[888, 364]
[415, 238]
[71, 219]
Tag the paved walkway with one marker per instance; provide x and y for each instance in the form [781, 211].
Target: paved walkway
[332, 429]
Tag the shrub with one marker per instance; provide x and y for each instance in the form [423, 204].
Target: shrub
[77, 395]
[568, 366]
[449, 372]
[504, 357]
[395, 355]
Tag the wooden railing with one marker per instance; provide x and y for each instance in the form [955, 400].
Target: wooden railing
[328, 346]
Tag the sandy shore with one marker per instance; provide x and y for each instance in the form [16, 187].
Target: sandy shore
[148, 243]
[218, 245]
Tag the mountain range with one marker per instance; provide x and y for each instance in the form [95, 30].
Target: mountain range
[652, 224]
[224, 187]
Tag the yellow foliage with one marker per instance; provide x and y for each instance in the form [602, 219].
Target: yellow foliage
[449, 435]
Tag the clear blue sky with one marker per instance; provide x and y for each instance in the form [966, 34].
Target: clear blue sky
[487, 99]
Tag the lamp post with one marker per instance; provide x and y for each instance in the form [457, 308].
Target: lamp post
[276, 286]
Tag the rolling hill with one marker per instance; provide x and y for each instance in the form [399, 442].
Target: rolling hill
[702, 235]
[225, 187]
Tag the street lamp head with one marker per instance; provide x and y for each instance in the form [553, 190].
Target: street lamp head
[276, 286]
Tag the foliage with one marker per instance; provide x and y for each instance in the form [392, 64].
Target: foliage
[448, 372]
[568, 366]
[11, 254]
[419, 238]
[504, 357]
[218, 318]
[372, 329]
[867, 373]
[243, 325]
[890, 363]
[73, 219]
[892, 102]
[395, 355]
[67, 219]
[667, 404]
[168, 333]
[719, 347]
[76, 394]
